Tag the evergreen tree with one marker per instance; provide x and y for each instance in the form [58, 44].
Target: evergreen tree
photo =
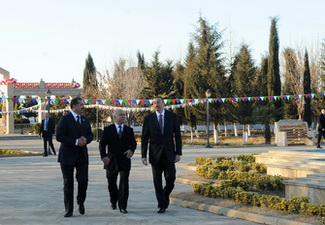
[260, 83]
[307, 90]
[141, 61]
[90, 78]
[190, 117]
[208, 71]
[159, 77]
[90, 87]
[274, 81]
[244, 73]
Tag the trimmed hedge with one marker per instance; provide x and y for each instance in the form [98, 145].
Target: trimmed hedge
[242, 178]
[299, 205]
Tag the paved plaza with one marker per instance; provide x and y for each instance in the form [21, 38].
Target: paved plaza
[31, 189]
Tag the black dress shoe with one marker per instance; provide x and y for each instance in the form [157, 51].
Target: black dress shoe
[161, 210]
[81, 209]
[113, 206]
[123, 211]
[68, 214]
[318, 146]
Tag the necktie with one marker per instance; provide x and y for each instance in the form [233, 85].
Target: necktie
[120, 131]
[78, 119]
[161, 123]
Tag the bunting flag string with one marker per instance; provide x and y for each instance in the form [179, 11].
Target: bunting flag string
[20, 111]
[147, 102]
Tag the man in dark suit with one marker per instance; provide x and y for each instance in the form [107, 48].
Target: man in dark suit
[165, 149]
[321, 127]
[46, 131]
[117, 146]
[74, 133]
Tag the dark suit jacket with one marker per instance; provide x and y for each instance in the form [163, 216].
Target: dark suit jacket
[67, 132]
[169, 141]
[111, 146]
[321, 124]
[50, 129]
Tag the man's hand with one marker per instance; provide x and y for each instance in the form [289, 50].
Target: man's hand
[144, 161]
[128, 153]
[106, 160]
[82, 141]
[177, 158]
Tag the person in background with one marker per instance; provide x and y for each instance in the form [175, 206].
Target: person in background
[46, 131]
[161, 129]
[321, 127]
[74, 133]
[116, 147]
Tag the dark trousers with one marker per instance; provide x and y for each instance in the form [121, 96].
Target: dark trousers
[82, 179]
[118, 194]
[48, 139]
[163, 166]
[320, 134]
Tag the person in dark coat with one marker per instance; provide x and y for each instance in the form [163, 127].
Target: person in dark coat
[116, 147]
[321, 127]
[74, 133]
[46, 131]
[161, 131]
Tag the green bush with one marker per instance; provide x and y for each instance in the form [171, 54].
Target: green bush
[297, 205]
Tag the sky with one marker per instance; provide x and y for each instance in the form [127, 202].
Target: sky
[50, 39]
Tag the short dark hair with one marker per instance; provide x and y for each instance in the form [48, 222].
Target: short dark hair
[75, 101]
[160, 98]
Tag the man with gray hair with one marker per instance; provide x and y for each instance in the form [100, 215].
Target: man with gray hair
[116, 147]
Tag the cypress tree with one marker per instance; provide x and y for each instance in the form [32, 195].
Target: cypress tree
[274, 81]
[90, 77]
[307, 90]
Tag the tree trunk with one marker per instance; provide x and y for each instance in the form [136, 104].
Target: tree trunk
[215, 134]
[235, 129]
[267, 133]
[225, 130]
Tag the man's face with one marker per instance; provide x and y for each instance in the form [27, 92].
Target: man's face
[158, 104]
[79, 108]
[323, 111]
[120, 117]
[47, 115]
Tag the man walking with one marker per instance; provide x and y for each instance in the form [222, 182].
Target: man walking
[161, 129]
[321, 127]
[46, 131]
[117, 146]
[74, 133]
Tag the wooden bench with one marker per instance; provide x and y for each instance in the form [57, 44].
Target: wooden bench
[293, 132]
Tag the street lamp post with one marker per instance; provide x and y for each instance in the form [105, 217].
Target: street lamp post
[208, 95]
